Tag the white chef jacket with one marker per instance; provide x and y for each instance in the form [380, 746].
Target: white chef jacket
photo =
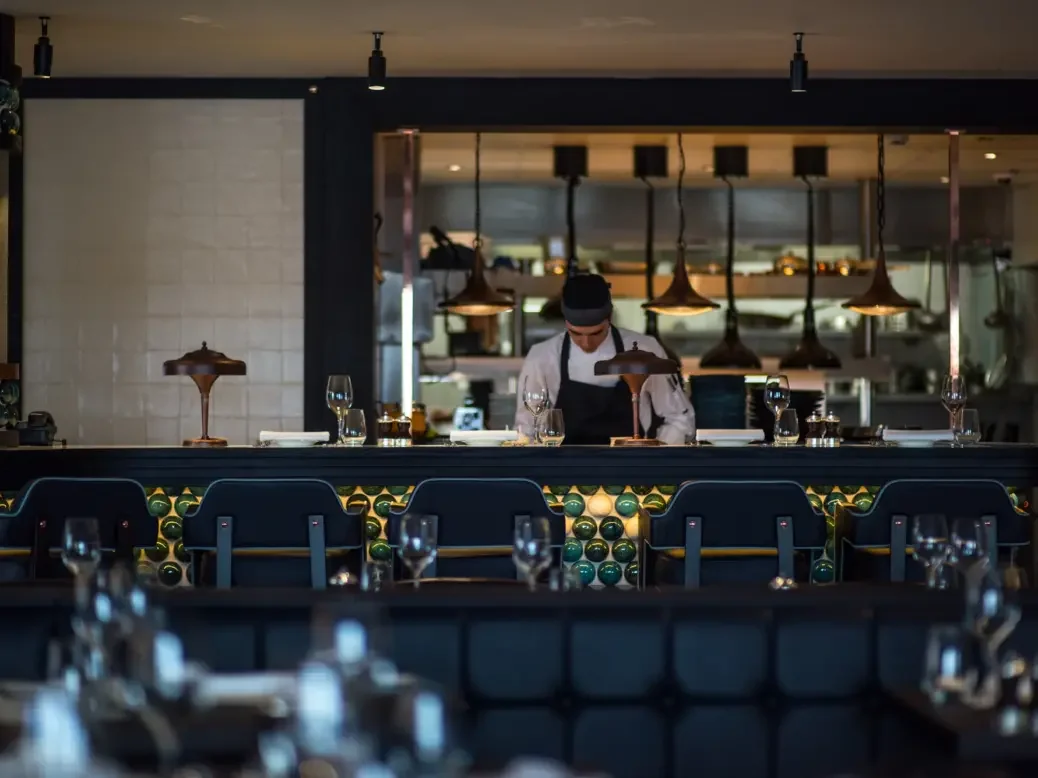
[660, 393]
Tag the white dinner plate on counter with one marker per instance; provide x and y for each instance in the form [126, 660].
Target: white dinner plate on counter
[274, 439]
[729, 438]
[484, 438]
[917, 438]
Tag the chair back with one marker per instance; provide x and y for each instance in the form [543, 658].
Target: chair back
[476, 524]
[272, 515]
[42, 507]
[887, 524]
[734, 517]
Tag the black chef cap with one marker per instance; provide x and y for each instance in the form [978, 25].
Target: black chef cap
[586, 300]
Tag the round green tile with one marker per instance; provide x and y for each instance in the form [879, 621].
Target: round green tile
[380, 550]
[614, 490]
[816, 502]
[185, 504]
[610, 573]
[573, 504]
[3, 504]
[850, 490]
[180, 553]
[383, 505]
[631, 573]
[654, 503]
[197, 491]
[873, 490]
[403, 500]
[396, 491]
[159, 505]
[586, 570]
[596, 550]
[624, 551]
[357, 502]
[159, 552]
[822, 491]
[611, 528]
[171, 491]
[372, 528]
[171, 529]
[170, 574]
[344, 491]
[863, 502]
[584, 528]
[823, 571]
[626, 504]
[666, 489]
[588, 489]
[559, 491]
[641, 491]
[572, 550]
[832, 500]
[371, 491]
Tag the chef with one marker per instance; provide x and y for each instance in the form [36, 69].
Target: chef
[597, 408]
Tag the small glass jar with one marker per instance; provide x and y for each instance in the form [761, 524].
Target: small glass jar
[419, 424]
[832, 430]
[402, 436]
[815, 431]
[386, 435]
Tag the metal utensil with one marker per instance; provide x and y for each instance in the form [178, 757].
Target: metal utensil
[927, 320]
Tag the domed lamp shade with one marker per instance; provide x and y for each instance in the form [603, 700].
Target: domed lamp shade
[634, 367]
[204, 366]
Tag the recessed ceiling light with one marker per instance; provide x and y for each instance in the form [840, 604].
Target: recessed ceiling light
[945, 179]
[990, 155]
[454, 168]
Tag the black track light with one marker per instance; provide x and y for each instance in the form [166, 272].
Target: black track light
[43, 52]
[798, 66]
[377, 66]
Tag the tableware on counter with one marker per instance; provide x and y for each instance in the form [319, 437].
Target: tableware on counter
[484, 438]
[776, 397]
[917, 438]
[537, 400]
[931, 545]
[729, 438]
[531, 547]
[418, 539]
[787, 428]
[275, 439]
[953, 396]
[553, 427]
[353, 431]
[339, 397]
[968, 430]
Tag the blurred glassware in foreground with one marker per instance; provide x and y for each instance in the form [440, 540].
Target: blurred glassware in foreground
[418, 538]
[930, 545]
[531, 548]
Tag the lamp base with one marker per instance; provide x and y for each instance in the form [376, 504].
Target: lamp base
[206, 443]
[635, 442]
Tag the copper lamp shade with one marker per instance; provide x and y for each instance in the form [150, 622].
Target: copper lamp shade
[881, 298]
[635, 367]
[478, 298]
[680, 299]
[204, 366]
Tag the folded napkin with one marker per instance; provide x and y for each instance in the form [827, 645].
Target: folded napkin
[271, 436]
[918, 436]
[465, 436]
[743, 434]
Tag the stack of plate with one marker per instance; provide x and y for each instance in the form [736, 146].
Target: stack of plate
[719, 401]
[803, 402]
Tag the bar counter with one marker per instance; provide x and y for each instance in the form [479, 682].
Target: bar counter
[600, 489]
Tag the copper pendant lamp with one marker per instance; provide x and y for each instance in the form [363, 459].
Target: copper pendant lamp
[478, 298]
[731, 352]
[680, 299]
[810, 162]
[880, 299]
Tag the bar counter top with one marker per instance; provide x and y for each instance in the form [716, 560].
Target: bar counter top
[1012, 464]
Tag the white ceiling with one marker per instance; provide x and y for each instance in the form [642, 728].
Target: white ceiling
[918, 159]
[497, 37]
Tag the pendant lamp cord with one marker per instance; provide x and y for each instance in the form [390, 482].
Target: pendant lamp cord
[881, 197]
[681, 199]
[572, 267]
[809, 308]
[730, 265]
[478, 241]
[651, 318]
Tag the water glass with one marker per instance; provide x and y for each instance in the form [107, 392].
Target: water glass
[339, 396]
[787, 428]
[353, 428]
[970, 553]
[930, 544]
[953, 396]
[537, 401]
[776, 396]
[418, 536]
[531, 547]
[81, 549]
[553, 429]
[968, 429]
[947, 668]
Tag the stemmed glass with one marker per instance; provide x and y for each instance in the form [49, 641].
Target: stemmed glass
[968, 430]
[81, 549]
[776, 398]
[970, 553]
[537, 401]
[339, 395]
[930, 544]
[418, 536]
[531, 548]
[953, 396]
[553, 430]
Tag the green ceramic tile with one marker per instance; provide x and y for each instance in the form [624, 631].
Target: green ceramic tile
[863, 501]
[397, 491]
[641, 491]
[345, 491]
[611, 528]
[383, 505]
[573, 504]
[572, 550]
[159, 505]
[180, 553]
[185, 504]
[654, 503]
[172, 529]
[584, 528]
[614, 490]
[170, 574]
[588, 489]
[666, 489]
[631, 573]
[586, 571]
[823, 571]
[157, 553]
[624, 551]
[626, 505]
[372, 528]
[596, 550]
[380, 550]
[610, 573]
[371, 491]
[357, 502]
[559, 491]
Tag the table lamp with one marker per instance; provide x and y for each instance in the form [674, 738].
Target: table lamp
[635, 367]
[204, 366]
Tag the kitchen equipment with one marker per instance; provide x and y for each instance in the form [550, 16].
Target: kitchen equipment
[926, 319]
[635, 367]
[37, 430]
[872, 434]
[204, 366]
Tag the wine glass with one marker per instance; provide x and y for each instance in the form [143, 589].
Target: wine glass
[968, 429]
[953, 395]
[531, 548]
[339, 395]
[537, 401]
[553, 429]
[417, 543]
[930, 544]
[776, 397]
[353, 428]
[787, 428]
[81, 549]
[970, 553]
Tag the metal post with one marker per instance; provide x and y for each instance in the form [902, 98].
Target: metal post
[867, 247]
[407, 366]
[954, 335]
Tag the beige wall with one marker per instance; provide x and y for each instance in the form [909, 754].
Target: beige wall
[151, 226]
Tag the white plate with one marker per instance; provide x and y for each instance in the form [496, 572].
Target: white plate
[728, 442]
[916, 443]
[292, 443]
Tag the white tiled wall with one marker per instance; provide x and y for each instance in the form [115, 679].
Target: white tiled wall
[151, 226]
